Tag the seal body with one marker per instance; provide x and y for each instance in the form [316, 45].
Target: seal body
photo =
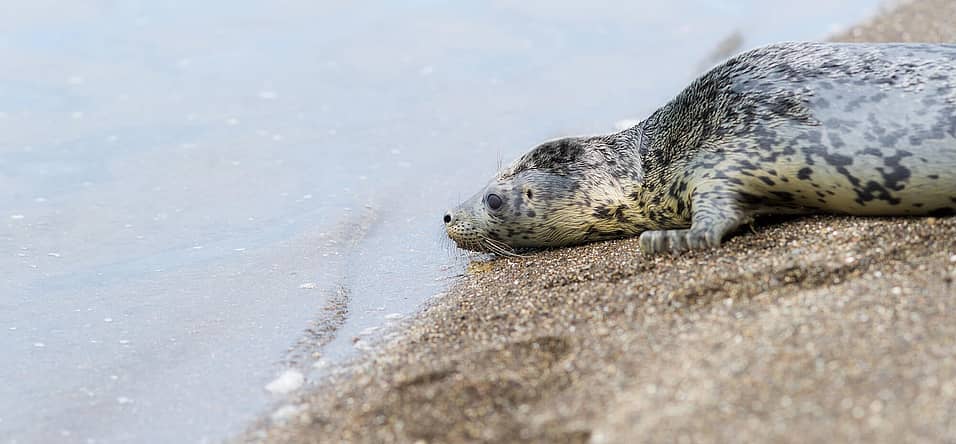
[792, 128]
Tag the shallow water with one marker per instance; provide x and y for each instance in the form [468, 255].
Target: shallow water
[197, 197]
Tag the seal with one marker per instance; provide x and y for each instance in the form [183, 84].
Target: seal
[791, 128]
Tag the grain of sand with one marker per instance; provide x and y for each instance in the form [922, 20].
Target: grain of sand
[823, 329]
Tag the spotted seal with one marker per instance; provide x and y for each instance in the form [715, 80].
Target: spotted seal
[791, 128]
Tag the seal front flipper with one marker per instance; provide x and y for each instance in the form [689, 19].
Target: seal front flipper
[716, 212]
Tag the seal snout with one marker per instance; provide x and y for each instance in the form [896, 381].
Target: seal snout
[460, 227]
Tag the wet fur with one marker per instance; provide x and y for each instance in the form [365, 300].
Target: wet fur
[795, 128]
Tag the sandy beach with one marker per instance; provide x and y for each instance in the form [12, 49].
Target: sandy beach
[820, 329]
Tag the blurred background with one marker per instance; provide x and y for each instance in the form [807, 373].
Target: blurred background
[197, 197]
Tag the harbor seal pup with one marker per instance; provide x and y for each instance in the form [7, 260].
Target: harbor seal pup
[791, 128]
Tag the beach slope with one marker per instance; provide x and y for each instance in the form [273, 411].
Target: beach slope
[819, 329]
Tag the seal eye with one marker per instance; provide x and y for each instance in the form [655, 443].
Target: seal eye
[494, 201]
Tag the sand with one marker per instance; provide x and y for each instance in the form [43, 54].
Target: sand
[821, 329]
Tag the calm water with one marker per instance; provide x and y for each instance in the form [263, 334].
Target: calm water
[189, 188]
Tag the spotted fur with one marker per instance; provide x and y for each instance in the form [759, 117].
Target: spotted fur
[793, 128]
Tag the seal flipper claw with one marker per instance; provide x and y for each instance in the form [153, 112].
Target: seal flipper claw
[677, 241]
[654, 242]
[660, 241]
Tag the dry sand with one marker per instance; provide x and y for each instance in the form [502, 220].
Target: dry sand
[814, 330]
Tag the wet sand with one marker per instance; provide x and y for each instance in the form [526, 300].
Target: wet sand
[819, 329]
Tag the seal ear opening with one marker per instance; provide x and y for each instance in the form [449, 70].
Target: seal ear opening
[529, 193]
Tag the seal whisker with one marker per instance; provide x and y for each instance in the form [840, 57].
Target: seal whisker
[486, 245]
[500, 247]
[492, 248]
[445, 243]
[476, 246]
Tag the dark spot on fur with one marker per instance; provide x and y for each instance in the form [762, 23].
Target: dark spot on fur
[895, 175]
[733, 180]
[783, 195]
[945, 211]
[619, 214]
[602, 212]
[751, 199]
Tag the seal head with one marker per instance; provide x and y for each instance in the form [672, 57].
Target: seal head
[563, 192]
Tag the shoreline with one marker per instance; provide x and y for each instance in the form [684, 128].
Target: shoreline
[822, 328]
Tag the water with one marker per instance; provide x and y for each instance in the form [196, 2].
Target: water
[197, 196]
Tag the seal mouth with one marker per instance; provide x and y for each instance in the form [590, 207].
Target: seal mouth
[460, 228]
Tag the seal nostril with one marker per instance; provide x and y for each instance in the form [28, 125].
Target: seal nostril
[447, 218]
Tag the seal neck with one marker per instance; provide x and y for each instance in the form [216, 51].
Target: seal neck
[626, 145]
[652, 206]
